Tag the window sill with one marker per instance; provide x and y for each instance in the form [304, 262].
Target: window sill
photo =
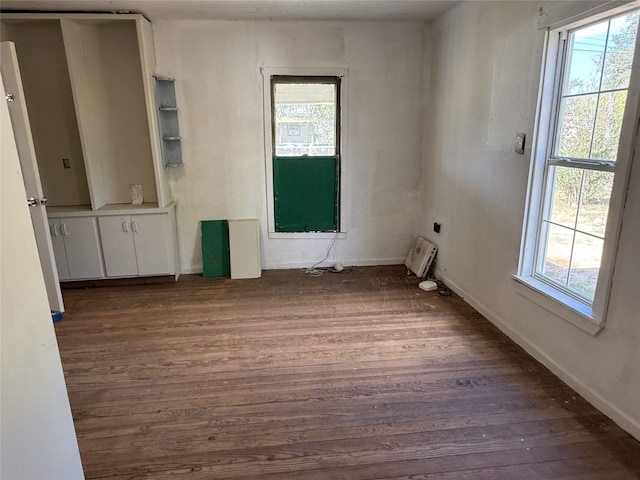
[308, 235]
[561, 305]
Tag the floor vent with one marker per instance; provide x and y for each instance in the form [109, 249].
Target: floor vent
[421, 256]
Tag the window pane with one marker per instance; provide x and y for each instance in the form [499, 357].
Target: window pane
[585, 264]
[622, 39]
[606, 135]
[305, 119]
[557, 247]
[599, 60]
[577, 115]
[586, 56]
[566, 195]
[594, 202]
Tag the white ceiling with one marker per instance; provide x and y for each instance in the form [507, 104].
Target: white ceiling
[251, 9]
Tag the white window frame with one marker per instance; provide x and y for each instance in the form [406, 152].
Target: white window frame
[267, 73]
[590, 318]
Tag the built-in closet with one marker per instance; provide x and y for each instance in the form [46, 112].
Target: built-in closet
[88, 82]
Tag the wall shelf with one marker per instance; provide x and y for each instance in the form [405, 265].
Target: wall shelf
[168, 121]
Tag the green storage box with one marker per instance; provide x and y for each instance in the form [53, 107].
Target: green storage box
[215, 248]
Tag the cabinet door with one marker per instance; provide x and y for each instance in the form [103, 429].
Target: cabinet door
[151, 240]
[82, 245]
[57, 240]
[117, 246]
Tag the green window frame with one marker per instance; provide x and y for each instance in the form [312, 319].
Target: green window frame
[306, 138]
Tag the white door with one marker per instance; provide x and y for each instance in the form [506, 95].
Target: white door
[37, 435]
[151, 244]
[26, 151]
[82, 245]
[116, 233]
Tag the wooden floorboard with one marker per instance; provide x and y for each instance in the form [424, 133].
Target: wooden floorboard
[356, 376]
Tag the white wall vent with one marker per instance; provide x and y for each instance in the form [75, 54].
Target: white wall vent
[421, 256]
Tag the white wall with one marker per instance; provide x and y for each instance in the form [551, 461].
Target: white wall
[219, 88]
[485, 61]
[37, 437]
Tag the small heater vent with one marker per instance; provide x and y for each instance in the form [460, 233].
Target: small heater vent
[421, 256]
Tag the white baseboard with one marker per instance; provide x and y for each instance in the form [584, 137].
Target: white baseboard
[597, 400]
[329, 263]
[196, 269]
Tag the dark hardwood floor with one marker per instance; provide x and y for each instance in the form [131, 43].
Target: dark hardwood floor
[357, 375]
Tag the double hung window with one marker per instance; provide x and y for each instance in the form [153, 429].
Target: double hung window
[306, 153]
[586, 124]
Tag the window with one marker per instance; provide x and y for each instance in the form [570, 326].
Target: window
[305, 118]
[586, 120]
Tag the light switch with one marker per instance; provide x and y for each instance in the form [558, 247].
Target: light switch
[518, 143]
[66, 163]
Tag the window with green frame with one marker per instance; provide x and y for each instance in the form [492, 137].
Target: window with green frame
[305, 128]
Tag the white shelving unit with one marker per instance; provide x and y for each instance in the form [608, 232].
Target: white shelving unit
[168, 127]
[89, 86]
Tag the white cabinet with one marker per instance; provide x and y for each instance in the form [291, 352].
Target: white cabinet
[57, 240]
[115, 242]
[117, 245]
[136, 245]
[76, 247]
[153, 252]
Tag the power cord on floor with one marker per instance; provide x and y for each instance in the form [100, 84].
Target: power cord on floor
[442, 288]
[316, 272]
[313, 271]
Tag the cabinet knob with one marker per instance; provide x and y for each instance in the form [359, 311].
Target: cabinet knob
[125, 226]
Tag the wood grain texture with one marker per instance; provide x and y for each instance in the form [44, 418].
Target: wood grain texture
[357, 375]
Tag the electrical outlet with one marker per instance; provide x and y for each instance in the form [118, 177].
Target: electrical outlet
[436, 227]
[518, 143]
